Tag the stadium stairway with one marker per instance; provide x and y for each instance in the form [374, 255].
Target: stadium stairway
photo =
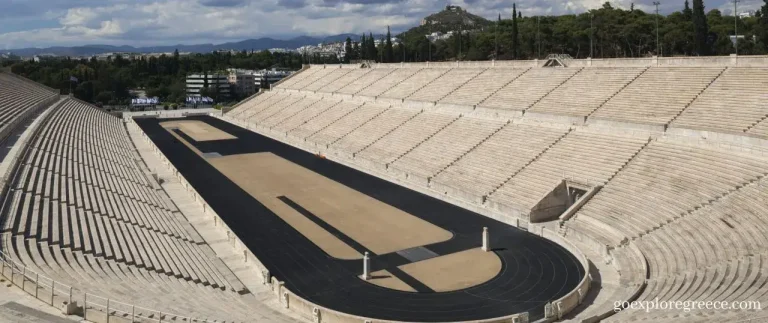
[335, 74]
[442, 86]
[371, 132]
[483, 86]
[404, 139]
[531, 161]
[468, 151]
[365, 81]
[322, 120]
[585, 91]
[674, 89]
[438, 151]
[346, 125]
[494, 161]
[745, 87]
[698, 95]
[353, 76]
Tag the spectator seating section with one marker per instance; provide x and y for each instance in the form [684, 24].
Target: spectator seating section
[715, 253]
[437, 153]
[83, 212]
[495, 160]
[392, 79]
[335, 73]
[414, 83]
[405, 138]
[352, 77]
[735, 102]
[482, 86]
[370, 131]
[323, 120]
[445, 84]
[586, 91]
[291, 83]
[658, 95]
[366, 80]
[346, 124]
[19, 96]
[587, 158]
[678, 179]
[528, 89]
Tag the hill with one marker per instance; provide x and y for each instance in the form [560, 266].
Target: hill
[452, 18]
[455, 16]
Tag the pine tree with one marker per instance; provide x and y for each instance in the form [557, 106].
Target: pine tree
[763, 23]
[388, 50]
[687, 12]
[514, 31]
[496, 52]
[700, 28]
[372, 51]
[363, 48]
[356, 51]
[348, 50]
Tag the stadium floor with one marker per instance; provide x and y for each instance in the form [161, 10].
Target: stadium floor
[533, 270]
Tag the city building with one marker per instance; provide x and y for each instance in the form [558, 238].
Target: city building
[747, 14]
[243, 81]
[196, 82]
[264, 78]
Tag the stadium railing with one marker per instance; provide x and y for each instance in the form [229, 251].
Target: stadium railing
[94, 308]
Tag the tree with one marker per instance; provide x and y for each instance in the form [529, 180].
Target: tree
[700, 28]
[687, 12]
[762, 30]
[363, 48]
[356, 51]
[372, 52]
[348, 51]
[496, 36]
[388, 50]
[515, 38]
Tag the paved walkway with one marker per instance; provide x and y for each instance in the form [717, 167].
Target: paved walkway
[17, 306]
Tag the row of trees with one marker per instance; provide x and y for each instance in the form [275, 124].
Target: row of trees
[108, 81]
[604, 32]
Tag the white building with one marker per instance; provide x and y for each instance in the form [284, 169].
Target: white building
[747, 14]
[268, 77]
[195, 82]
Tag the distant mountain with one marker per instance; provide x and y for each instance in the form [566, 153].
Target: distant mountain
[249, 44]
[451, 19]
[454, 16]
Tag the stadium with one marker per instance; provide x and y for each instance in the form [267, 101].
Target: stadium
[556, 190]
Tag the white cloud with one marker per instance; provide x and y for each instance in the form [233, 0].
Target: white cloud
[167, 22]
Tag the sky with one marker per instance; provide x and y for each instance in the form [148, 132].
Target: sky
[45, 23]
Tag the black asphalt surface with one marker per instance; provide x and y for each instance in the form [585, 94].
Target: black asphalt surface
[534, 270]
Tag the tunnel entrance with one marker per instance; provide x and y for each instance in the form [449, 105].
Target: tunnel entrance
[562, 197]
